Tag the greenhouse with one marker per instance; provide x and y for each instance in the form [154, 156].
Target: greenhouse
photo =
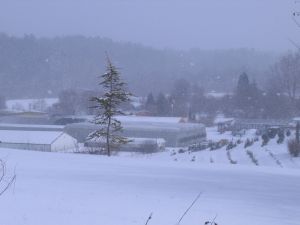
[174, 132]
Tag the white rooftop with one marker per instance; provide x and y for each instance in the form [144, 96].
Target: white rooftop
[31, 126]
[29, 137]
[149, 119]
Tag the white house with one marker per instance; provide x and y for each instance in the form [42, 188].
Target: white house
[48, 141]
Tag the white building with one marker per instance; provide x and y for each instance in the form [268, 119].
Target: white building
[48, 141]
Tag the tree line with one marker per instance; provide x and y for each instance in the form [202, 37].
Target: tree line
[32, 67]
[278, 98]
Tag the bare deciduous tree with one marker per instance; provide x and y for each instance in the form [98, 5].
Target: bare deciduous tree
[287, 73]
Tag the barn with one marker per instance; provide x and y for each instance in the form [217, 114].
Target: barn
[47, 141]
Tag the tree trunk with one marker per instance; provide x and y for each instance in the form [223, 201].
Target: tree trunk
[298, 132]
[107, 137]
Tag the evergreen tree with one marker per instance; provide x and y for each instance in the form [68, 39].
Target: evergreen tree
[248, 97]
[2, 102]
[181, 97]
[108, 107]
[243, 91]
[163, 105]
[150, 104]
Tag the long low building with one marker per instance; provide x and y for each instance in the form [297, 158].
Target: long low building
[48, 141]
[175, 132]
[30, 127]
[142, 145]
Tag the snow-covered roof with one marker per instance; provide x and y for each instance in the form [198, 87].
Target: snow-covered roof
[223, 120]
[29, 137]
[12, 125]
[214, 94]
[269, 122]
[149, 119]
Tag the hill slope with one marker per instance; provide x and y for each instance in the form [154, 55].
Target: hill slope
[41, 67]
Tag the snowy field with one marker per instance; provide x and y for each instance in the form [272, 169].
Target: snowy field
[63, 189]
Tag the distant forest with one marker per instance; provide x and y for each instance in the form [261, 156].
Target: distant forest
[42, 67]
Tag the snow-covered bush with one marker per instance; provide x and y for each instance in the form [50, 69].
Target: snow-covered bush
[173, 153]
[231, 145]
[294, 147]
[256, 139]
[280, 137]
[248, 143]
[180, 151]
[265, 139]
[218, 145]
[272, 133]
[229, 158]
[252, 157]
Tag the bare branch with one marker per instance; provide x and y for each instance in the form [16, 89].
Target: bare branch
[149, 218]
[188, 209]
[294, 43]
[6, 183]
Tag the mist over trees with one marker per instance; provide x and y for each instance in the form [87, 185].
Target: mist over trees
[246, 100]
[42, 67]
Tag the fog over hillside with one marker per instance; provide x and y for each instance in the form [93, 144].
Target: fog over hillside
[207, 24]
[41, 67]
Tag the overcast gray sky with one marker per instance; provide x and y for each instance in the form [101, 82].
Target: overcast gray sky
[180, 24]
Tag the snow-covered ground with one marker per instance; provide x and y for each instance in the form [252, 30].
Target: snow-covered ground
[271, 155]
[57, 188]
[63, 189]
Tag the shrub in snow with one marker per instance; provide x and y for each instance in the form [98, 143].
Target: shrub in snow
[272, 133]
[265, 139]
[173, 153]
[199, 146]
[274, 157]
[231, 145]
[181, 151]
[239, 141]
[280, 137]
[248, 143]
[210, 223]
[229, 158]
[218, 145]
[294, 147]
[252, 157]
[288, 133]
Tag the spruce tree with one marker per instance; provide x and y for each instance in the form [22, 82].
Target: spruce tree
[163, 106]
[108, 106]
[150, 104]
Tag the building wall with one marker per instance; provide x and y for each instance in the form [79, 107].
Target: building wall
[27, 146]
[63, 143]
